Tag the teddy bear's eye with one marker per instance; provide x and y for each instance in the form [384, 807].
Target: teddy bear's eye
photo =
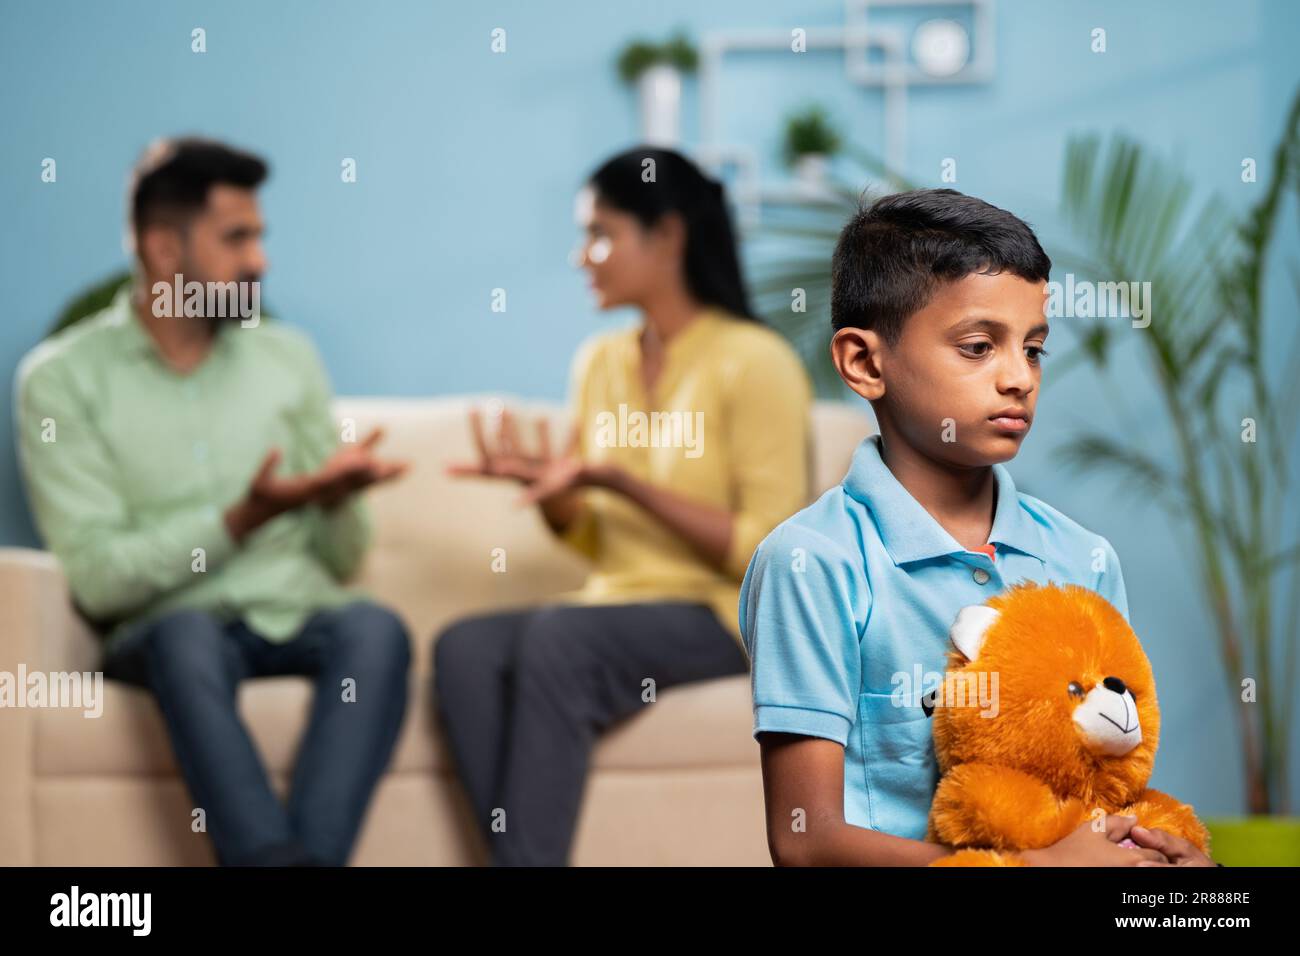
[1075, 689]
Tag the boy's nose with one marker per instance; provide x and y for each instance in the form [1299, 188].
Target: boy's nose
[1018, 380]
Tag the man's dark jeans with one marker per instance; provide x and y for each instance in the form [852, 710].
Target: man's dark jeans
[358, 656]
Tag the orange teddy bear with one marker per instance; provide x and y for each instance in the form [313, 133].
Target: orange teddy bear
[1070, 733]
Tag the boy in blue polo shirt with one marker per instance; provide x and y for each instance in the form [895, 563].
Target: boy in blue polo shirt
[938, 305]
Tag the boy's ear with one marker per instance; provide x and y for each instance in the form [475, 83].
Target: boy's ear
[857, 354]
[968, 631]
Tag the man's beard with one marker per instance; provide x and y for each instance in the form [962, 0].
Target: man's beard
[233, 312]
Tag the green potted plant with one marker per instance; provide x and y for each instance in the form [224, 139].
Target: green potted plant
[656, 70]
[808, 145]
[1233, 420]
[91, 300]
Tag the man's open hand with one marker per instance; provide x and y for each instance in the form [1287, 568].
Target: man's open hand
[351, 468]
[354, 467]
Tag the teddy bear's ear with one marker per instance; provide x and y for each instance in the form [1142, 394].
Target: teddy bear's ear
[967, 632]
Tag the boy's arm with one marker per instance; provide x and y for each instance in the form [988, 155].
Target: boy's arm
[803, 787]
[803, 604]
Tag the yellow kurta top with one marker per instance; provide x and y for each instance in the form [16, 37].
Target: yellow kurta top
[726, 424]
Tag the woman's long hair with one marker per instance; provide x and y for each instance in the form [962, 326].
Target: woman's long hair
[713, 273]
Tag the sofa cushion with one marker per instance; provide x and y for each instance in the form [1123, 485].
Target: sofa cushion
[130, 737]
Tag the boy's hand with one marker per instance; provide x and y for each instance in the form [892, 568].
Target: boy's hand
[1180, 852]
[1088, 847]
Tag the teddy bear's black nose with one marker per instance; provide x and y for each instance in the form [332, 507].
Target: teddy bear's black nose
[1115, 684]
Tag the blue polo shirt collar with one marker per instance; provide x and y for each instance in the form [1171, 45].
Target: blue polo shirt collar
[910, 533]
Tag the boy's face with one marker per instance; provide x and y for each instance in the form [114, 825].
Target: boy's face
[961, 383]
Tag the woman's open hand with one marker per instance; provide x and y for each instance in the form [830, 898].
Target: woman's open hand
[546, 474]
[563, 475]
[505, 456]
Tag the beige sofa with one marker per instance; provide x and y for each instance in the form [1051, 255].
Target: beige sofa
[678, 784]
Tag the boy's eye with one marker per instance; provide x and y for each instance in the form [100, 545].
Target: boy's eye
[1035, 352]
[975, 349]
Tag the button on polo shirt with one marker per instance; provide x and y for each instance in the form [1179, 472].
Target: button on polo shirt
[848, 601]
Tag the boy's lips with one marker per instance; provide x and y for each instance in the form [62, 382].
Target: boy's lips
[1011, 419]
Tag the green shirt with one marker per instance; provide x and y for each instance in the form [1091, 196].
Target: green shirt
[130, 466]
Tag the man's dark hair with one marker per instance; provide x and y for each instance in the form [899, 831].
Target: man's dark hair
[172, 179]
[893, 254]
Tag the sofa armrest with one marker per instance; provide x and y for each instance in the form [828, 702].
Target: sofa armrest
[38, 624]
[39, 631]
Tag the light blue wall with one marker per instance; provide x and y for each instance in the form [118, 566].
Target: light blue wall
[468, 163]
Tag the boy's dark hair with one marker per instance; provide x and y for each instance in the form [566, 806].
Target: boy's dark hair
[171, 181]
[893, 253]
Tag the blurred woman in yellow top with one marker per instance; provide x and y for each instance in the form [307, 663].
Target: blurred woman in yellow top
[690, 443]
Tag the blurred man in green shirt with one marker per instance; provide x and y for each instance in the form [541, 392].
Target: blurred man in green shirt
[182, 462]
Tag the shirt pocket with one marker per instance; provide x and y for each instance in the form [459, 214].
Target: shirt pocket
[899, 764]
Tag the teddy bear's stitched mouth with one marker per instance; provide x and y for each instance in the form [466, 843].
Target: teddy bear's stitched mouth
[1122, 730]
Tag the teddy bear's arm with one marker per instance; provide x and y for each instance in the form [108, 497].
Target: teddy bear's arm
[1159, 811]
[980, 805]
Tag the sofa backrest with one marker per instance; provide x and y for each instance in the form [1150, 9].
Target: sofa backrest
[437, 536]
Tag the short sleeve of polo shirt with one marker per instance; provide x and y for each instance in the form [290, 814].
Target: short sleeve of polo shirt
[1109, 582]
[800, 605]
